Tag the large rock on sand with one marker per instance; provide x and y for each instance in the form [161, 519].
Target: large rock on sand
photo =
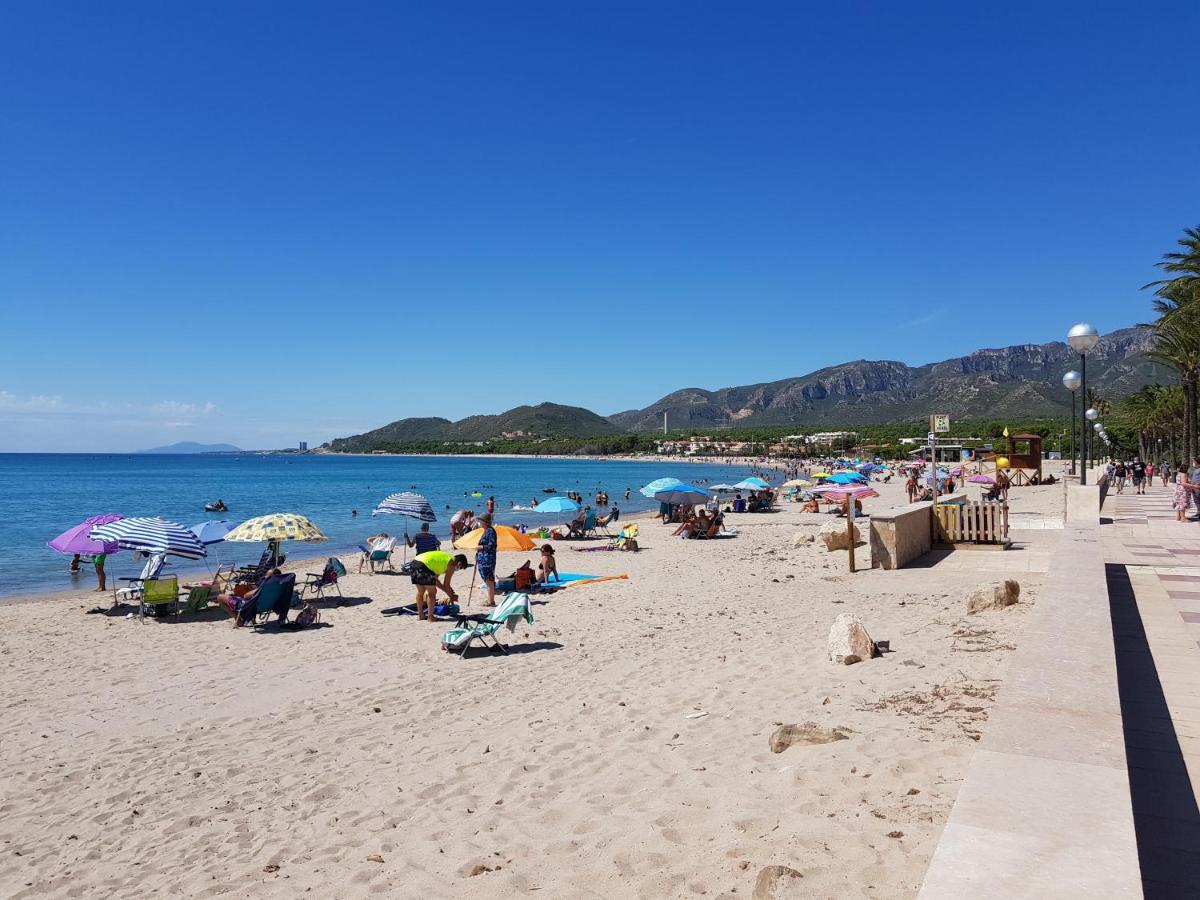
[849, 641]
[995, 595]
[802, 538]
[773, 882]
[807, 734]
[835, 536]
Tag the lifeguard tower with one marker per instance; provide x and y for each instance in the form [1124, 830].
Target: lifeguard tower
[1024, 454]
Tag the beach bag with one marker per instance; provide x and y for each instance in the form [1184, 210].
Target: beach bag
[308, 616]
[336, 565]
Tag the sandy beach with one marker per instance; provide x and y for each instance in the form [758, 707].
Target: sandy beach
[619, 750]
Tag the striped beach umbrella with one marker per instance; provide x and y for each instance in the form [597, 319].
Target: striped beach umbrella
[408, 504]
[153, 535]
[276, 527]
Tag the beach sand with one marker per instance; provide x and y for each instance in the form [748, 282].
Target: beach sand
[619, 750]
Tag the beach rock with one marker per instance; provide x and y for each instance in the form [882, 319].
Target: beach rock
[848, 640]
[833, 533]
[772, 882]
[801, 538]
[995, 595]
[804, 735]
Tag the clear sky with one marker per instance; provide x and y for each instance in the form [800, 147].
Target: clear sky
[270, 222]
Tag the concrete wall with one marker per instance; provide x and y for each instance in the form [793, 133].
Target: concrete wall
[901, 534]
[1045, 808]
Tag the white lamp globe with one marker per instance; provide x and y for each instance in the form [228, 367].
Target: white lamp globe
[1083, 337]
[1072, 380]
[1092, 414]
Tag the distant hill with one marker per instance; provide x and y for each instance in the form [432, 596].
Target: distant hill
[193, 447]
[546, 420]
[1023, 380]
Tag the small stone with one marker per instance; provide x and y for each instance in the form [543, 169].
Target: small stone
[804, 735]
[375, 858]
[995, 595]
[895, 834]
[770, 879]
[273, 867]
[849, 641]
[378, 709]
[912, 792]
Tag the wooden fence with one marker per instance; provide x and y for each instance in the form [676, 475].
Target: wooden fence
[985, 522]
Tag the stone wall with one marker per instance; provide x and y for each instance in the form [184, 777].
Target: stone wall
[901, 534]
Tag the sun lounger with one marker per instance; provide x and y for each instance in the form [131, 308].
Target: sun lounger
[482, 627]
[273, 596]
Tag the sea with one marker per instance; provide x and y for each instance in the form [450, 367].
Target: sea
[42, 495]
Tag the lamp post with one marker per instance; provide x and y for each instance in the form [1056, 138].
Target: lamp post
[1091, 415]
[1099, 429]
[1082, 338]
[1071, 382]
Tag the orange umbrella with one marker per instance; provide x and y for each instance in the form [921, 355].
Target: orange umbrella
[506, 539]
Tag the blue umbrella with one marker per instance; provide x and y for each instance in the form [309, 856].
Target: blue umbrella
[682, 495]
[659, 484]
[847, 478]
[557, 505]
[752, 483]
[212, 532]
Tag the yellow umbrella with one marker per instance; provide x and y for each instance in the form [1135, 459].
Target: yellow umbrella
[506, 539]
[820, 474]
[796, 482]
[276, 527]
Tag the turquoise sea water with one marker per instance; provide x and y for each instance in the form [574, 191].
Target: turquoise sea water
[42, 495]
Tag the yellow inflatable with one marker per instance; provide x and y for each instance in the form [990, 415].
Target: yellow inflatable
[1002, 462]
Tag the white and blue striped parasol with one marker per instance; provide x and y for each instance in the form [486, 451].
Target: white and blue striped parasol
[153, 535]
[406, 504]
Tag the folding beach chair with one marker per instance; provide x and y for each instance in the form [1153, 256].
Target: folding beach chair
[602, 522]
[481, 627]
[133, 590]
[326, 580]
[382, 555]
[158, 592]
[273, 596]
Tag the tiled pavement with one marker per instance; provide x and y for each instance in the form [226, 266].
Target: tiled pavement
[1153, 574]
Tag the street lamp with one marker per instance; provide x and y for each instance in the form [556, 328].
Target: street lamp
[1071, 382]
[1082, 338]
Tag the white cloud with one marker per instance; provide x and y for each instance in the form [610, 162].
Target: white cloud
[178, 409]
[34, 402]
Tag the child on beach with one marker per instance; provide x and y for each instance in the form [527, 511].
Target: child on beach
[548, 566]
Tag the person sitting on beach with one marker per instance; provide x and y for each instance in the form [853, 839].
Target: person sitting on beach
[612, 516]
[373, 543]
[811, 506]
[233, 604]
[547, 568]
[739, 505]
[424, 540]
[579, 521]
[692, 527]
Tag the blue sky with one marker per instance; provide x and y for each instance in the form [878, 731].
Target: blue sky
[263, 223]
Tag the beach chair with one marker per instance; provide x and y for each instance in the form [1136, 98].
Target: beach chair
[272, 597]
[482, 627]
[133, 590]
[326, 579]
[602, 522]
[585, 528]
[158, 592]
[627, 539]
[381, 555]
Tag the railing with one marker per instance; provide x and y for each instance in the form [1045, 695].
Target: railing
[983, 522]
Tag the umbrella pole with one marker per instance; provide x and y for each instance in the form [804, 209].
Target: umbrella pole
[471, 592]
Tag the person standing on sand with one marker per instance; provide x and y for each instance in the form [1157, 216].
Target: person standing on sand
[485, 557]
[911, 487]
[424, 541]
[98, 562]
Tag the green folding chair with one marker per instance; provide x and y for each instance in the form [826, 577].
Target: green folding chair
[482, 627]
[158, 591]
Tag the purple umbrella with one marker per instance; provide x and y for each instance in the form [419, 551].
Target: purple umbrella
[78, 540]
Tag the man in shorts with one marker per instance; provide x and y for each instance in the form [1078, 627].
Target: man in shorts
[425, 569]
[1139, 476]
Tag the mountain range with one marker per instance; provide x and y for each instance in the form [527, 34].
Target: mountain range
[193, 447]
[1024, 380]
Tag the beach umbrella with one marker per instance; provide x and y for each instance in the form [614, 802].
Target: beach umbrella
[659, 484]
[79, 539]
[847, 478]
[796, 482]
[722, 489]
[153, 535]
[682, 495]
[408, 504]
[820, 474]
[841, 492]
[752, 483]
[276, 527]
[558, 505]
[507, 538]
[211, 532]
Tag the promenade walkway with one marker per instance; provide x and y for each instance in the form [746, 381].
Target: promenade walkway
[1152, 566]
